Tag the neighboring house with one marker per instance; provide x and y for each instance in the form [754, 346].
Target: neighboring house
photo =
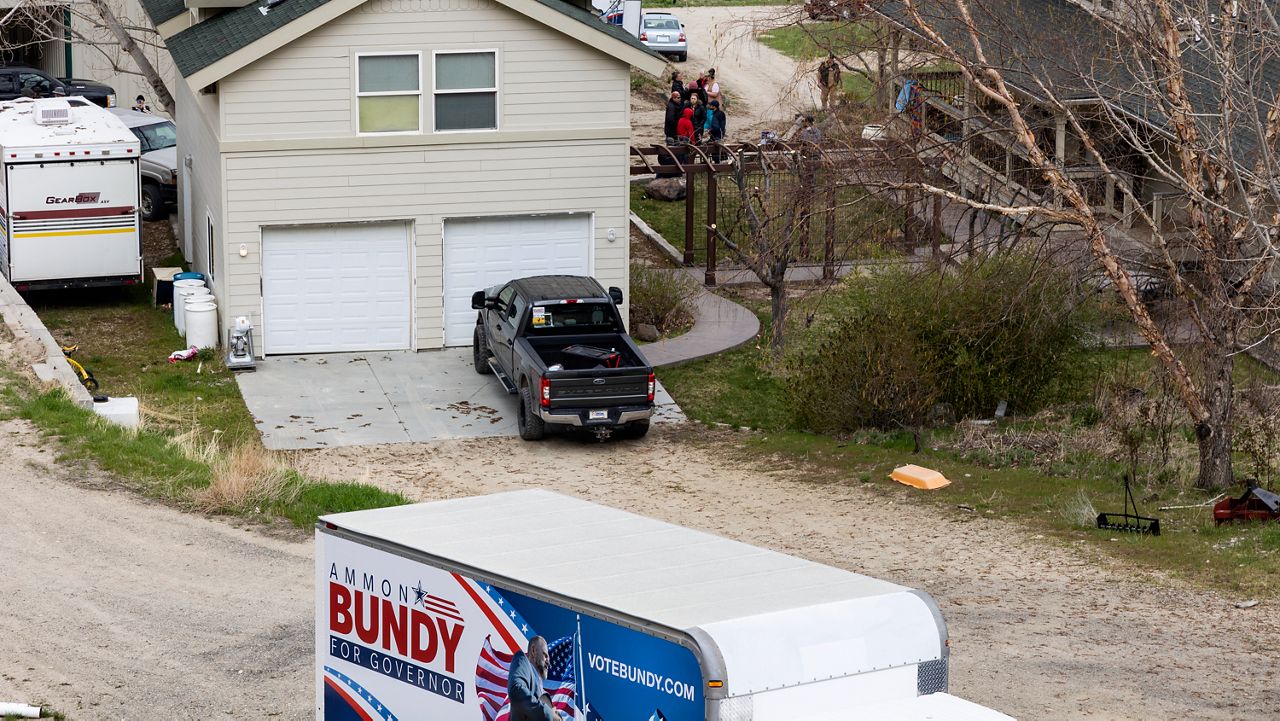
[97, 56]
[969, 133]
[355, 169]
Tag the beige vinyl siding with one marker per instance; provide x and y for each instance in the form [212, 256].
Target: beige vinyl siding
[198, 139]
[423, 186]
[547, 80]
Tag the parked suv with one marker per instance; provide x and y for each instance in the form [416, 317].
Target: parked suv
[159, 138]
[663, 33]
[17, 81]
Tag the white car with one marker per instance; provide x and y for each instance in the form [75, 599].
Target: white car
[663, 33]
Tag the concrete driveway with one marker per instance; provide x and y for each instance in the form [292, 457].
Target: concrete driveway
[356, 399]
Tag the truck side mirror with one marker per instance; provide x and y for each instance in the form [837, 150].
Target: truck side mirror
[615, 294]
[477, 300]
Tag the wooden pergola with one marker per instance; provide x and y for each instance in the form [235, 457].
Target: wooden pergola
[709, 159]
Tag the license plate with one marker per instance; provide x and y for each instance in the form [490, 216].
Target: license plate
[664, 38]
[599, 415]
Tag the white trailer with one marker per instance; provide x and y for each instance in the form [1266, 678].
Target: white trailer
[420, 610]
[69, 190]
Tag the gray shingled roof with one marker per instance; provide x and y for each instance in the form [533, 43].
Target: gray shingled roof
[162, 10]
[1057, 43]
[206, 43]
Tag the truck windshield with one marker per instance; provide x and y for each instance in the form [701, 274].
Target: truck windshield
[157, 136]
[570, 318]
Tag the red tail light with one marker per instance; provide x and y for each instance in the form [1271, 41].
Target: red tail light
[644, 36]
[544, 392]
[681, 37]
[653, 383]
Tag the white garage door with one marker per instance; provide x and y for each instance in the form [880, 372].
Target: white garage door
[480, 252]
[339, 287]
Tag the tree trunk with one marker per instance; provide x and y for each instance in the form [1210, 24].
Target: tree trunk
[1214, 434]
[777, 317]
[127, 43]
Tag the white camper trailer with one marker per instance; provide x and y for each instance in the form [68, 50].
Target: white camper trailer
[69, 190]
[424, 611]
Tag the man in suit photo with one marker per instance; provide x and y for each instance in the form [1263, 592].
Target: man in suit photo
[529, 702]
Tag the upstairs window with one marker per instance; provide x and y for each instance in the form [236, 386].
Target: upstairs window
[389, 93]
[466, 90]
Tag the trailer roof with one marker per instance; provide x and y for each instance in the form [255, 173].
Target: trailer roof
[90, 125]
[657, 571]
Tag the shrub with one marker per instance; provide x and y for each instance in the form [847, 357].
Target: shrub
[661, 298]
[994, 329]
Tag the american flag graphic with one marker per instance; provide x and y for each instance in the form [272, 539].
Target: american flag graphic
[494, 666]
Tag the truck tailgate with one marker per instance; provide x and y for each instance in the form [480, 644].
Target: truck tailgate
[600, 391]
[933, 707]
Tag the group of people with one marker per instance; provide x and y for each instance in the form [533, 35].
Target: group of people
[694, 112]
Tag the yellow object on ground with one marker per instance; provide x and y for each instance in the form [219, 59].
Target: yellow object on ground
[918, 477]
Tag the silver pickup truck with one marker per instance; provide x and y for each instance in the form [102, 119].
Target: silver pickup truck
[159, 138]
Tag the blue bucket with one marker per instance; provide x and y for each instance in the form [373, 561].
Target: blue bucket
[189, 275]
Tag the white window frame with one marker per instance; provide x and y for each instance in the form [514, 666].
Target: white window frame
[355, 83]
[496, 89]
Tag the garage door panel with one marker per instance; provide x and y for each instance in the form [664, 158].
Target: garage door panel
[481, 252]
[343, 287]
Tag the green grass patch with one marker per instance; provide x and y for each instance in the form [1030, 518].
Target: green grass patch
[729, 388]
[125, 342]
[813, 40]
[1236, 559]
[157, 465]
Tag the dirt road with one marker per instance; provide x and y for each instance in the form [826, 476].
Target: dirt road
[116, 608]
[1038, 630]
[765, 87]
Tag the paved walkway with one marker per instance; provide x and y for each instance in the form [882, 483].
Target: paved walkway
[719, 325]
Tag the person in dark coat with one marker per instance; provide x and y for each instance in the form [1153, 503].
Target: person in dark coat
[675, 108]
[699, 117]
[677, 86]
[529, 702]
[684, 127]
[717, 123]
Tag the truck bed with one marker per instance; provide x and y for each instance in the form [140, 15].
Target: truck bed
[551, 350]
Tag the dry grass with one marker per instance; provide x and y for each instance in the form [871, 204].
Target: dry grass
[1079, 510]
[247, 476]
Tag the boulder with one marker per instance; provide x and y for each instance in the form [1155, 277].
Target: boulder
[646, 332]
[665, 189]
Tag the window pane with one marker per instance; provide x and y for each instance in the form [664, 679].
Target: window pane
[160, 135]
[467, 111]
[463, 71]
[388, 113]
[382, 73]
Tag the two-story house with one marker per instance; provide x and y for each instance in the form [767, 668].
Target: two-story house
[355, 169]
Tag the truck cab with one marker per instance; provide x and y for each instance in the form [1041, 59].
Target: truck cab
[560, 344]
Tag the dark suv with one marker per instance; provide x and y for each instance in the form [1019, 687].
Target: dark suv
[17, 81]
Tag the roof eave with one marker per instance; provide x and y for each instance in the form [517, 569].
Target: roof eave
[598, 39]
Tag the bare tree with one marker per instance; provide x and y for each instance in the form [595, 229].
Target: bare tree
[1149, 132]
[95, 25]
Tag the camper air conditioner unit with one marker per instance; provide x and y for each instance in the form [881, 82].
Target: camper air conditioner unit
[53, 111]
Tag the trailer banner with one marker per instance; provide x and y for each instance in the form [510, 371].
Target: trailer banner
[397, 638]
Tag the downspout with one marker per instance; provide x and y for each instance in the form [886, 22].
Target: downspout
[66, 43]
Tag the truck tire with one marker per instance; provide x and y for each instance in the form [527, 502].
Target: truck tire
[531, 425]
[480, 352]
[635, 429]
[153, 207]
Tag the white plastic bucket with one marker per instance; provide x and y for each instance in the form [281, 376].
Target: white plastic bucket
[193, 296]
[874, 132]
[202, 325]
[180, 293]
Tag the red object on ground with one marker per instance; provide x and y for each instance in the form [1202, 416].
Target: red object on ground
[1257, 504]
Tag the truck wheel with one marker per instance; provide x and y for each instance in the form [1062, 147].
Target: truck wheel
[531, 425]
[480, 353]
[635, 429]
[153, 207]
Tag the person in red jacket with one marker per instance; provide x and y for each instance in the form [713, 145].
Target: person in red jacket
[684, 126]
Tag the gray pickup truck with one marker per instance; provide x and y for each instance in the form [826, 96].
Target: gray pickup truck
[559, 343]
